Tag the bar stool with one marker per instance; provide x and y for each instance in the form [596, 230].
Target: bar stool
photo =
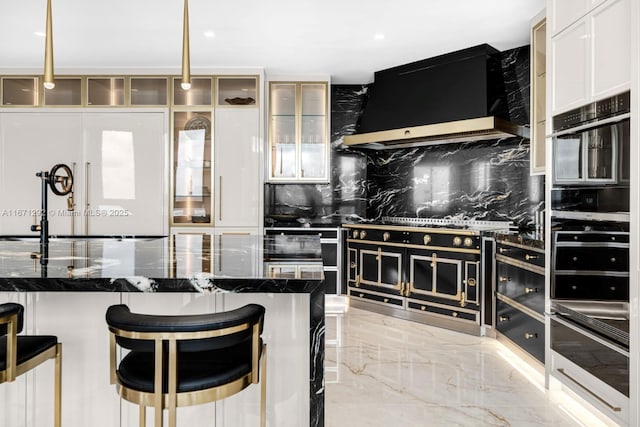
[21, 353]
[186, 360]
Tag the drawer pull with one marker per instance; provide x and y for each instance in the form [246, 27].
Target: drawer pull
[503, 250]
[386, 300]
[530, 257]
[503, 279]
[613, 260]
[423, 308]
[503, 318]
[588, 390]
[575, 258]
[361, 295]
[530, 290]
[529, 336]
[454, 314]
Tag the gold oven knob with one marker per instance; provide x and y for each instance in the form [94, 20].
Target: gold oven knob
[356, 233]
[468, 241]
[386, 236]
[426, 239]
[457, 241]
[363, 234]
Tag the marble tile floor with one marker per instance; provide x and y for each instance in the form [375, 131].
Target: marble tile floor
[383, 371]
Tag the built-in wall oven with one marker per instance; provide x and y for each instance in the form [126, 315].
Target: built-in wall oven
[589, 310]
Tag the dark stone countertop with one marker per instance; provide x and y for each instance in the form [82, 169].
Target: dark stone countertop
[529, 239]
[180, 263]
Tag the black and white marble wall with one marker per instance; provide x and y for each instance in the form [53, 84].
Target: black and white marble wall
[486, 180]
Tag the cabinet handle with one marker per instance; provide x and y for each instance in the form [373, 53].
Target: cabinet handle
[530, 257]
[503, 250]
[386, 300]
[530, 290]
[588, 390]
[503, 318]
[423, 308]
[434, 260]
[220, 198]
[462, 301]
[503, 279]
[361, 295]
[454, 314]
[529, 336]
[613, 259]
[357, 280]
[71, 204]
[87, 166]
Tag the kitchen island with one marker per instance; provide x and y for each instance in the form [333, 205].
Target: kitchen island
[68, 293]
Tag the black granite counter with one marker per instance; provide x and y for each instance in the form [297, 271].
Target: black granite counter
[180, 263]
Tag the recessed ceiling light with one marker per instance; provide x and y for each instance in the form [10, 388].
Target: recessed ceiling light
[39, 34]
[209, 34]
[378, 36]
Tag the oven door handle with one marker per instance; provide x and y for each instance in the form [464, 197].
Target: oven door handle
[592, 125]
[570, 325]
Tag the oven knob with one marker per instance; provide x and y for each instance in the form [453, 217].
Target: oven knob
[468, 241]
[426, 239]
[386, 236]
[363, 234]
[457, 241]
[355, 234]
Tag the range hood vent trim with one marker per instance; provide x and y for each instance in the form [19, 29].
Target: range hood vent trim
[477, 129]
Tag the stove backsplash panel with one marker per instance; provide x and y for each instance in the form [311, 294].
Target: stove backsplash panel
[486, 180]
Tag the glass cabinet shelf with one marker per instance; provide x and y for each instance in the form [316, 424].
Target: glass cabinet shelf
[148, 91]
[68, 91]
[105, 91]
[298, 131]
[198, 94]
[237, 91]
[20, 91]
[192, 174]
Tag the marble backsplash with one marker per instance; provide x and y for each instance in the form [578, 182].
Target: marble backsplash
[486, 180]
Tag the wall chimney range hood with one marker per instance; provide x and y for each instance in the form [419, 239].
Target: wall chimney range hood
[454, 97]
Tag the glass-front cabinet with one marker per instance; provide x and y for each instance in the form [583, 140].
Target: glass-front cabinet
[298, 131]
[192, 160]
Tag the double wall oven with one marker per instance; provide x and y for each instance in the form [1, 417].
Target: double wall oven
[589, 310]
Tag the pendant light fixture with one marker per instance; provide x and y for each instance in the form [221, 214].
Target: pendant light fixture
[186, 67]
[48, 83]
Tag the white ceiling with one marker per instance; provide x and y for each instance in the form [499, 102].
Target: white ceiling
[334, 37]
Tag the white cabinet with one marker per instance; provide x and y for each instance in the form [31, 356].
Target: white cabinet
[564, 12]
[590, 58]
[238, 188]
[118, 160]
[29, 143]
[538, 94]
[611, 47]
[125, 183]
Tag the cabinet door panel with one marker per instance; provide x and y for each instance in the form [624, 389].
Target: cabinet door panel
[611, 67]
[564, 12]
[421, 271]
[237, 165]
[390, 269]
[127, 174]
[369, 267]
[570, 71]
[448, 278]
[33, 142]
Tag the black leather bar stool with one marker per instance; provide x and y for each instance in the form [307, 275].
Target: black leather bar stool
[21, 353]
[186, 360]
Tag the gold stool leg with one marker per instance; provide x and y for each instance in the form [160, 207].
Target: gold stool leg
[57, 394]
[263, 388]
[143, 416]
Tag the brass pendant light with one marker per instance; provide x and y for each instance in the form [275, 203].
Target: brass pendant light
[186, 67]
[49, 82]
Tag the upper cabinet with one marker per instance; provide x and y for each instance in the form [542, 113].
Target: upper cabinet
[590, 52]
[538, 94]
[298, 131]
